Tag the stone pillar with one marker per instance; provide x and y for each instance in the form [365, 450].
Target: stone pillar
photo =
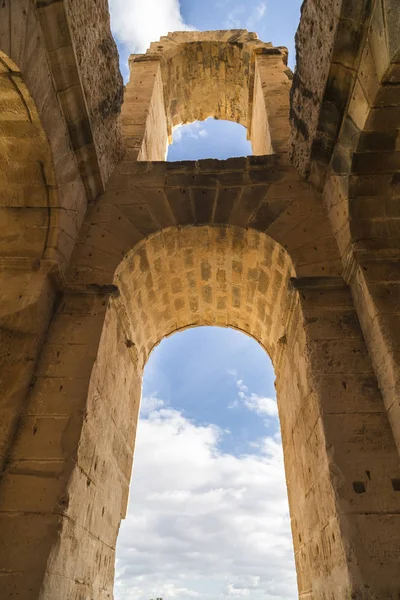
[375, 283]
[258, 129]
[66, 481]
[341, 461]
[270, 126]
[143, 111]
[26, 303]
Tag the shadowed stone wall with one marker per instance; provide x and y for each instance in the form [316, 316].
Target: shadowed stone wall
[105, 251]
[350, 151]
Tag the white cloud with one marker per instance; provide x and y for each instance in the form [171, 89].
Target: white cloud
[233, 591]
[137, 23]
[240, 17]
[261, 405]
[191, 131]
[259, 12]
[202, 522]
[150, 404]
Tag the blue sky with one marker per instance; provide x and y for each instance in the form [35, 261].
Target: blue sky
[208, 513]
[198, 373]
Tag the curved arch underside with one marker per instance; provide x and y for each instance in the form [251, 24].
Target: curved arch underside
[207, 74]
[374, 189]
[193, 79]
[28, 188]
[190, 276]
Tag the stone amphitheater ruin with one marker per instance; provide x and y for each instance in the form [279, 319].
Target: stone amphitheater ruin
[105, 249]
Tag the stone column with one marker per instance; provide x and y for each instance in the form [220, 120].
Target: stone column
[26, 303]
[270, 126]
[66, 482]
[143, 111]
[341, 461]
[374, 278]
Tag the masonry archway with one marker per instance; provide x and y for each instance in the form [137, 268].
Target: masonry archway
[28, 241]
[190, 76]
[73, 444]
[221, 276]
[202, 275]
[26, 165]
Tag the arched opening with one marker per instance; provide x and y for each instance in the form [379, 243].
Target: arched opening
[181, 277]
[191, 76]
[208, 512]
[211, 138]
[246, 246]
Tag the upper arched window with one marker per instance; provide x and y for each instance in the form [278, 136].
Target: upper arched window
[191, 76]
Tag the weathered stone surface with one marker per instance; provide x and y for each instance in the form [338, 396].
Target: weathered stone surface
[308, 268]
[97, 57]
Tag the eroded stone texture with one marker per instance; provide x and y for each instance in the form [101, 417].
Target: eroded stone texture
[334, 422]
[262, 193]
[97, 57]
[329, 43]
[337, 439]
[314, 47]
[308, 268]
[359, 177]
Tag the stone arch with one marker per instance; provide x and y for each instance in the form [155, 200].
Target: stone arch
[29, 193]
[190, 76]
[223, 276]
[261, 193]
[374, 187]
[80, 120]
[97, 346]
[374, 229]
[349, 150]
[28, 241]
[219, 271]
[70, 422]
[48, 173]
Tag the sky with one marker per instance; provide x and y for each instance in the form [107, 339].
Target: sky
[208, 514]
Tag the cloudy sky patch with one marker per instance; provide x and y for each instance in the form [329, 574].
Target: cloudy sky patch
[203, 521]
[137, 23]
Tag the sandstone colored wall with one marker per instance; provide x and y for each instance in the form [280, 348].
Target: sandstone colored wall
[261, 193]
[98, 64]
[340, 458]
[94, 274]
[354, 162]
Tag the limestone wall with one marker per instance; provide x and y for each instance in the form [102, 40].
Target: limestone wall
[98, 64]
[104, 255]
